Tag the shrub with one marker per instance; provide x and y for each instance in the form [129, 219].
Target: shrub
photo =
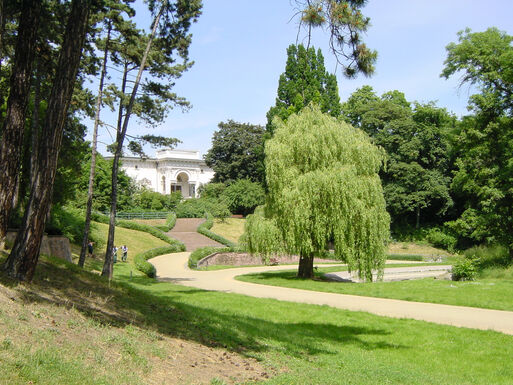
[140, 260]
[465, 270]
[151, 230]
[202, 252]
[243, 196]
[440, 239]
[204, 228]
[198, 207]
[170, 223]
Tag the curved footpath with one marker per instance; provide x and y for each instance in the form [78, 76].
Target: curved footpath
[185, 231]
[173, 268]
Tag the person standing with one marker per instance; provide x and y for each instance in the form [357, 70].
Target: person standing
[90, 248]
[114, 254]
[124, 255]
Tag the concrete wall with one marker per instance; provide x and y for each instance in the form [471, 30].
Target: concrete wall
[54, 245]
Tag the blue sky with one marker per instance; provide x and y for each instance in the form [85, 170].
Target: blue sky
[239, 49]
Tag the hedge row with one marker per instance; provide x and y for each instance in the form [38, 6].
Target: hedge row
[170, 223]
[202, 252]
[140, 260]
[205, 227]
[405, 257]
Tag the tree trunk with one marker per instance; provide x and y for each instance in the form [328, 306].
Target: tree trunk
[22, 261]
[120, 137]
[14, 123]
[89, 206]
[417, 224]
[305, 268]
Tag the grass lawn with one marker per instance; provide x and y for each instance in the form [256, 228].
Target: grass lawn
[72, 327]
[487, 293]
[230, 228]
[136, 241]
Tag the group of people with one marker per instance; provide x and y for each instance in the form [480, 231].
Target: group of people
[124, 252]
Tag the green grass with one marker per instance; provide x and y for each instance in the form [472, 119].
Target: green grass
[489, 293]
[230, 228]
[297, 343]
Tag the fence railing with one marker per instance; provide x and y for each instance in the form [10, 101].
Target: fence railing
[142, 215]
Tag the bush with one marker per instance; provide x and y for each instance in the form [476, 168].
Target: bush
[140, 260]
[151, 230]
[170, 223]
[243, 196]
[440, 239]
[198, 207]
[202, 252]
[204, 228]
[465, 270]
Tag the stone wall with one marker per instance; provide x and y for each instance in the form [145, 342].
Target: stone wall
[242, 259]
[54, 245]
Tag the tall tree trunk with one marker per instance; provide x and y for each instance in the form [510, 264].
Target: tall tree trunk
[417, 224]
[89, 206]
[305, 268]
[35, 124]
[22, 261]
[14, 123]
[120, 137]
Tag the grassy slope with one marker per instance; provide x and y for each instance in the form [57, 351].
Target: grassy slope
[136, 241]
[129, 326]
[230, 228]
[485, 293]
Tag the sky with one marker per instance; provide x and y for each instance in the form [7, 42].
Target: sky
[239, 50]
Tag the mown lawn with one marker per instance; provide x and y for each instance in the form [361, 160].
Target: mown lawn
[296, 343]
[484, 293]
[230, 228]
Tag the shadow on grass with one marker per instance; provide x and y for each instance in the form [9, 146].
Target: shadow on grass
[210, 318]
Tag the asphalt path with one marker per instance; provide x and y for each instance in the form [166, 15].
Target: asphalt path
[173, 268]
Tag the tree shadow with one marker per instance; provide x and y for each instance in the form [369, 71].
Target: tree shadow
[201, 316]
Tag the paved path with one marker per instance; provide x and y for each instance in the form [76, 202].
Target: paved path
[173, 268]
[185, 231]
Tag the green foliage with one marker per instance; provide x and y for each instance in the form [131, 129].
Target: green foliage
[304, 81]
[417, 177]
[202, 252]
[237, 152]
[69, 222]
[465, 270]
[140, 260]
[323, 186]
[405, 257]
[150, 230]
[151, 200]
[489, 256]
[102, 186]
[243, 196]
[441, 239]
[204, 228]
[346, 24]
[484, 142]
[198, 207]
[212, 190]
[262, 235]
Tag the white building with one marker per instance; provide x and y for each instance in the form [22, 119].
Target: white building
[171, 170]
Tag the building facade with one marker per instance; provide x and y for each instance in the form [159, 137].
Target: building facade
[171, 170]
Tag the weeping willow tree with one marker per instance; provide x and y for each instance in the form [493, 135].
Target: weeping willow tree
[323, 186]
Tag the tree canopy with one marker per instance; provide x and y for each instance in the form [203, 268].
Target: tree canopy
[237, 152]
[323, 185]
[417, 177]
[304, 81]
[484, 141]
